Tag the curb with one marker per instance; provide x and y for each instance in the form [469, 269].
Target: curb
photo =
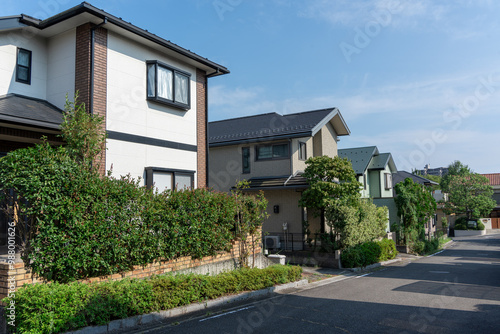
[129, 323]
[372, 266]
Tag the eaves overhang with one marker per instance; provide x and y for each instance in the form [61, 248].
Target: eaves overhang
[261, 139]
[85, 7]
[338, 122]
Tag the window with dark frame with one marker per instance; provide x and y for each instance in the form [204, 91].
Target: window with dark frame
[270, 152]
[23, 66]
[302, 151]
[364, 181]
[168, 85]
[169, 179]
[245, 154]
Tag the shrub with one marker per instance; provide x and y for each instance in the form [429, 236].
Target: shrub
[461, 223]
[87, 225]
[368, 253]
[358, 223]
[54, 308]
[480, 226]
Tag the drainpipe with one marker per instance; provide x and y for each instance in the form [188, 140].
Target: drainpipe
[92, 47]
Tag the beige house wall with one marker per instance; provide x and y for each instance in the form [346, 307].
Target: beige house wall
[297, 164]
[226, 166]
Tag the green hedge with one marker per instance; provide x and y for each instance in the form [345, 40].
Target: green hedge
[86, 225]
[54, 308]
[368, 253]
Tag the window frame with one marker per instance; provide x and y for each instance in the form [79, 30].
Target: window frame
[29, 67]
[257, 147]
[387, 181]
[302, 151]
[243, 157]
[162, 100]
[175, 172]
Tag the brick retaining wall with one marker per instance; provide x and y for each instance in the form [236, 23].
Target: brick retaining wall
[19, 275]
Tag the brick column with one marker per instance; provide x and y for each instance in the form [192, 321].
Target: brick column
[83, 73]
[201, 128]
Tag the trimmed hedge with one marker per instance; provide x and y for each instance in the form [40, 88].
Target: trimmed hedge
[84, 225]
[54, 308]
[368, 253]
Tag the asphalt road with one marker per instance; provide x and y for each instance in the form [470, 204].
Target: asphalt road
[455, 291]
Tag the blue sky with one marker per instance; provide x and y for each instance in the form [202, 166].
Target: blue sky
[419, 79]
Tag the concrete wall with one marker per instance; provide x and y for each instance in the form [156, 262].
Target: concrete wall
[61, 51]
[128, 111]
[9, 42]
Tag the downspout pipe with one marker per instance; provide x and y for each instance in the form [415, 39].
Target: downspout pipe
[92, 59]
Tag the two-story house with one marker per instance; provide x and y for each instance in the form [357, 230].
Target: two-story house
[270, 151]
[151, 92]
[374, 171]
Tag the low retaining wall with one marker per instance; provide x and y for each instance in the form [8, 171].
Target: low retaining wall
[469, 233]
[15, 276]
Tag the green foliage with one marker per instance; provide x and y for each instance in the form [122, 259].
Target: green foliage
[454, 169]
[83, 132]
[470, 195]
[87, 225]
[332, 182]
[461, 224]
[415, 205]
[55, 308]
[250, 215]
[356, 224]
[368, 253]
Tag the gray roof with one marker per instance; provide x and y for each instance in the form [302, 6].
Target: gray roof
[21, 109]
[274, 126]
[367, 158]
[360, 157]
[400, 176]
[280, 182]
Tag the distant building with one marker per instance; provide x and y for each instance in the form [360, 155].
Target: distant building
[440, 171]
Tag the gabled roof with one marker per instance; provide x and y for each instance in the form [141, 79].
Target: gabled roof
[25, 110]
[494, 178]
[85, 12]
[367, 158]
[400, 176]
[274, 126]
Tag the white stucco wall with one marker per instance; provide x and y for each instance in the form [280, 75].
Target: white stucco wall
[61, 50]
[9, 42]
[128, 111]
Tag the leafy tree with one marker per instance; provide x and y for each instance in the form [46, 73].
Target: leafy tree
[83, 132]
[470, 195]
[415, 206]
[456, 168]
[332, 181]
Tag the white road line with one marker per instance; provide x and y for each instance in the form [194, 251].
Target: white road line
[221, 315]
[436, 253]
[363, 275]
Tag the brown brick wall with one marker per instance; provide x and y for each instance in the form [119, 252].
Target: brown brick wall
[23, 276]
[83, 73]
[201, 128]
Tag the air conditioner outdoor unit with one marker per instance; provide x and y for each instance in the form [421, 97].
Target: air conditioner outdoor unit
[272, 241]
